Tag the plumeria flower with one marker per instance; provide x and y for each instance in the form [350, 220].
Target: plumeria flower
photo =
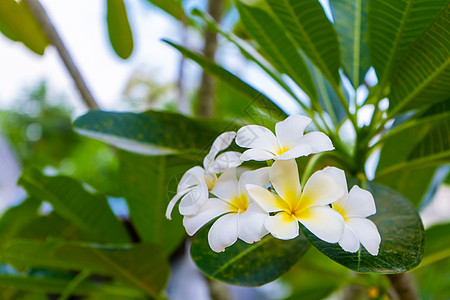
[355, 207]
[292, 205]
[197, 181]
[288, 143]
[240, 218]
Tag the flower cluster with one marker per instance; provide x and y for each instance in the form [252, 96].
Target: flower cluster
[249, 204]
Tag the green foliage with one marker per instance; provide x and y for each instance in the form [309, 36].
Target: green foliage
[119, 28]
[89, 212]
[247, 264]
[401, 231]
[147, 184]
[18, 23]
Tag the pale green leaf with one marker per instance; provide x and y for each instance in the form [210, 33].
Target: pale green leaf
[119, 29]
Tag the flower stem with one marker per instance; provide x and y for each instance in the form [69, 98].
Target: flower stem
[403, 285]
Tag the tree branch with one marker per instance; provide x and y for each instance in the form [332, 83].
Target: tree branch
[206, 93]
[403, 285]
[54, 38]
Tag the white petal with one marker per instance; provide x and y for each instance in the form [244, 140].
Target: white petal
[213, 208]
[192, 177]
[256, 154]
[367, 233]
[224, 161]
[251, 224]
[174, 201]
[194, 200]
[318, 141]
[257, 177]
[323, 222]
[285, 180]
[222, 142]
[268, 201]
[223, 232]
[227, 186]
[257, 137]
[290, 131]
[339, 177]
[349, 240]
[297, 151]
[283, 226]
[360, 203]
[321, 189]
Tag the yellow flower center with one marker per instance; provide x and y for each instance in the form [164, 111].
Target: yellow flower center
[282, 150]
[340, 210]
[239, 204]
[210, 180]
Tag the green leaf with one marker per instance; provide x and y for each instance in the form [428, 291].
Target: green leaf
[18, 23]
[402, 237]
[308, 25]
[144, 266]
[172, 7]
[393, 26]
[437, 244]
[146, 183]
[350, 22]
[247, 264]
[151, 133]
[276, 46]
[90, 213]
[119, 29]
[253, 96]
[55, 285]
[16, 218]
[422, 76]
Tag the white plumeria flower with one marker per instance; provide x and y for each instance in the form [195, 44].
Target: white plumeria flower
[197, 181]
[288, 143]
[291, 205]
[355, 207]
[240, 218]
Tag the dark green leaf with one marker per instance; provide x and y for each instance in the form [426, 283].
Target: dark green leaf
[119, 29]
[15, 218]
[147, 184]
[151, 133]
[90, 213]
[247, 264]
[402, 237]
[308, 25]
[393, 26]
[18, 23]
[422, 76]
[350, 21]
[253, 96]
[276, 46]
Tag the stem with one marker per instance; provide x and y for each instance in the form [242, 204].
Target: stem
[218, 290]
[54, 38]
[344, 104]
[403, 285]
[206, 93]
[183, 105]
[74, 283]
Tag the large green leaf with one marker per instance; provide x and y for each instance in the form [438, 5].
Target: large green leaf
[247, 264]
[144, 266]
[401, 231]
[89, 212]
[119, 29]
[18, 23]
[308, 25]
[16, 218]
[422, 76]
[146, 183]
[393, 26]
[254, 97]
[151, 133]
[276, 46]
[350, 21]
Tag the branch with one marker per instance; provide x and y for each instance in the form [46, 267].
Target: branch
[52, 35]
[206, 93]
[403, 285]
